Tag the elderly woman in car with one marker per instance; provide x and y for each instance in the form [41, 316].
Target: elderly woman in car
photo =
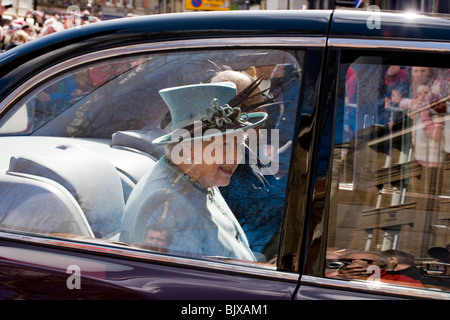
[209, 122]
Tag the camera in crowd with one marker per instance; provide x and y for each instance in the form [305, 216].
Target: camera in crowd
[337, 264]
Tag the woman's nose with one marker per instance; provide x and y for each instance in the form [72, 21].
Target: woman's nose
[233, 155]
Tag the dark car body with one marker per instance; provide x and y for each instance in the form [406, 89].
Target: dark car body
[64, 264]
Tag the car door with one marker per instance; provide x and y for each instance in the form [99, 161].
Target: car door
[94, 116]
[381, 229]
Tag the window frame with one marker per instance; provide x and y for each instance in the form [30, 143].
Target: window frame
[366, 47]
[273, 43]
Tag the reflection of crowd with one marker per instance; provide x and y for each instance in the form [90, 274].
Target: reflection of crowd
[389, 266]
[36, 24]
[429, 140]
[420, 93]
[421, 101]
[416, 98]
[410, 91]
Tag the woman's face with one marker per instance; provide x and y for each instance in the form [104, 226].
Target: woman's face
[220, 158]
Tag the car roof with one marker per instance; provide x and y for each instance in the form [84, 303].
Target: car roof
[186, 25]
[392, 25]
[345, 23]
[48, 50]
[24, 60]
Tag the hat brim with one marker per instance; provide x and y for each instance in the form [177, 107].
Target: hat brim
[167, 139]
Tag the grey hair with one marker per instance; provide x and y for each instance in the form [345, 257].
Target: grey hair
[168, 150]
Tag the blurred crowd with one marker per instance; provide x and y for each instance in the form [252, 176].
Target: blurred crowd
[35, 24]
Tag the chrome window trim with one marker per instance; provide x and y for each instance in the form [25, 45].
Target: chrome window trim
[380, 289]
[90, 246]
[273, 42]
[388, 44]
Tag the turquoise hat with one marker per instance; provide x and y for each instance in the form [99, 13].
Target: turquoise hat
[195, 103]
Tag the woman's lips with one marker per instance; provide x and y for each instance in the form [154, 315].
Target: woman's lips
[228, 171]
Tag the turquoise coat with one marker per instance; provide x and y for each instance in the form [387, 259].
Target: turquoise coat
[200, 219]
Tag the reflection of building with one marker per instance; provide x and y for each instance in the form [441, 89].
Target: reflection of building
[19, 7]
[384, 208]
[386, 198]
[409, 225]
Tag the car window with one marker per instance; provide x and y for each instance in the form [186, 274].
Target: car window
[80, 143]
[59, 94]
[389, 218]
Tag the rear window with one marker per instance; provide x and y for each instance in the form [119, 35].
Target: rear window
[390, 199]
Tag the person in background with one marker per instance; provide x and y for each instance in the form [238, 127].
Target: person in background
[401, 262]
[158, 238]
[359, 265]
[18, 37]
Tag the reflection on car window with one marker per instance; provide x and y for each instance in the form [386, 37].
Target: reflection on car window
[389, 209]
[59, 94]
[93, 152]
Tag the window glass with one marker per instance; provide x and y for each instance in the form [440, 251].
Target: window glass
[61, 93]
[82, 156]
[389, 213]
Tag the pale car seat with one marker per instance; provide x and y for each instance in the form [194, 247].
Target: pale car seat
[140, 140]
[39, 205]
[93, 181]
[130, 163]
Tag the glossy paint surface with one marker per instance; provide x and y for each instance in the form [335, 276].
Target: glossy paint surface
[39, 272]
